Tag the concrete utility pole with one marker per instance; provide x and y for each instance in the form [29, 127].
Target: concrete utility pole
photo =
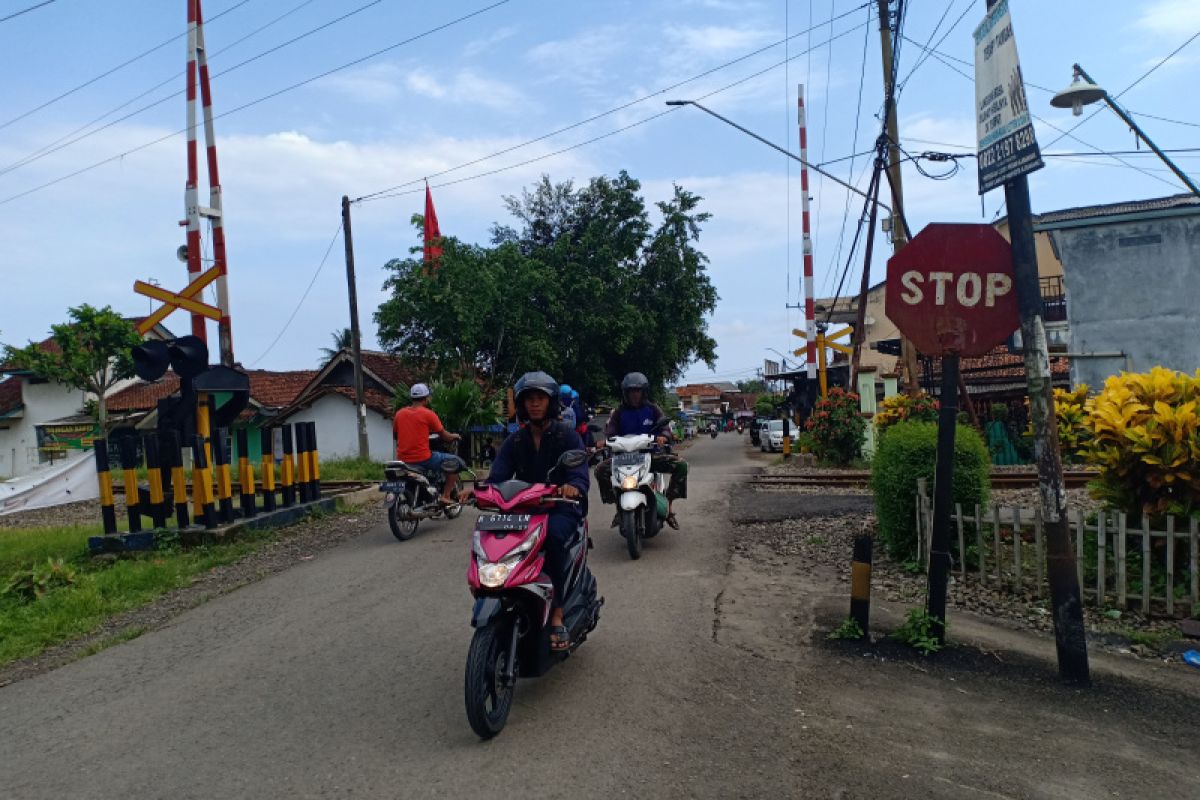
[1070, 639]
[908, 353]
[360, 404]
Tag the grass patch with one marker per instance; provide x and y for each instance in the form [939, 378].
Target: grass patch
[351, 469]
[101, 589]
[126, 635]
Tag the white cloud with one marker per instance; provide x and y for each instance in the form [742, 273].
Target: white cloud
[468, 87]
[486, 44]
[375, 83]
[715, 39]
[584, 57]
[1170, 17]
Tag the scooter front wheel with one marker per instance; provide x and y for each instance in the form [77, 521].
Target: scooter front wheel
[401, 519]
[488, 699]
[633, 537]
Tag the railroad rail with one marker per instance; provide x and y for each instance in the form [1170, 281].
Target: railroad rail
[327, 487]
[862, 479]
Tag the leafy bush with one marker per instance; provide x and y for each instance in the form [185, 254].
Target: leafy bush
[837, 427]
[849, 629]
[1074, 432]
[907, 454]
[1146, 441]
[919, 631]
[901, 407]
[34, 582]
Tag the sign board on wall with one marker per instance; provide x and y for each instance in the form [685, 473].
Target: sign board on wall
[1007, 146]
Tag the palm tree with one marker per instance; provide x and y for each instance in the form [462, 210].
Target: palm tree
[342, 340]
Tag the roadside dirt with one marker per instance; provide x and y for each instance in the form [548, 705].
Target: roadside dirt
[301, 542]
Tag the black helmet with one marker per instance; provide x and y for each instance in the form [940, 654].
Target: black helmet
[635, 380]
[536, 382]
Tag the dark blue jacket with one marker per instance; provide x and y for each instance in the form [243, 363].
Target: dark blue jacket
[628, 421]
[518, 459]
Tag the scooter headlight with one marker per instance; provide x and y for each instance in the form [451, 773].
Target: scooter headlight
[493, 574]
[629, 482]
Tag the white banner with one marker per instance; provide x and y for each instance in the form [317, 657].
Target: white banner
[1007, 146]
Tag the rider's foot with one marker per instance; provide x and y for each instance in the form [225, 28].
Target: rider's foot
[674, 523]
[560, 637]
[446, 501]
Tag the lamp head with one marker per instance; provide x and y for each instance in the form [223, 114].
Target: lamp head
[1079, 94]
[678, 102]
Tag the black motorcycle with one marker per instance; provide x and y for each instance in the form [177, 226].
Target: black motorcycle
[412, 494]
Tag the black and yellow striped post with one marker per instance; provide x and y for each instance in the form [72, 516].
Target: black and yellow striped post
[302, 474]
[158, 508]
[245, 474]
[172, 452]
[108, 511]
[268, 468]
[287, 468]
[313, 461]
[202, 497]
[129, 464]
[860, 583]
[224, 480]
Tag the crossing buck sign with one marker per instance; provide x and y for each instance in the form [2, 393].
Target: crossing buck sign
[951, 290]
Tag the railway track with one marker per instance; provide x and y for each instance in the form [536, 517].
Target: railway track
[327, 487]
[862, 478]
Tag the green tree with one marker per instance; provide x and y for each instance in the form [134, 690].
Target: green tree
[461, 405]
[580, 284]
[765, 406]
[342, 340]
[755, 386]
[91, 352]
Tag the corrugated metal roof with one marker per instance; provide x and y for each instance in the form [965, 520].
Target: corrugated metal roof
[1117, 209]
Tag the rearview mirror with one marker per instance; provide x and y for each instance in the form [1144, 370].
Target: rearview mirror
[572, 459]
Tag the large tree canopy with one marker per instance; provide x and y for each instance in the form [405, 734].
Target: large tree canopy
[582, 285]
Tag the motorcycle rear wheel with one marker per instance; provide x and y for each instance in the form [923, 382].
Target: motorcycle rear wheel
[633, 537]
[400, 519]
[488, 703]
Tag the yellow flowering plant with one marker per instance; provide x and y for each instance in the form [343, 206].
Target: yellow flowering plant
[902, 408]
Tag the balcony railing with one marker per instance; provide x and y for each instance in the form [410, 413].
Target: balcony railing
[1054, 298]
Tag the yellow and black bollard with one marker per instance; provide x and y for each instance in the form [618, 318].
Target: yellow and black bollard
[245, 474]
[287, 468]
[314, 465]
[202, 498]
[224, 481]
[860, 583]
[173, 450]
[108, 511]
[268, 469]
[158, 508]
[129, 475]
[302, 474]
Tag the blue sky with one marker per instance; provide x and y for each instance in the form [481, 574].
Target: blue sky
[499, 79]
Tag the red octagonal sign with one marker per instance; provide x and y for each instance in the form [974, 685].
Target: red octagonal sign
[951, 290]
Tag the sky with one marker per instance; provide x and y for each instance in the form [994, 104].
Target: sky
[92, 179]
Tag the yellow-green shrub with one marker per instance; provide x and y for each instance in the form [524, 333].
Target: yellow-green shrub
[902, 408]
[1144, 430]
[1074, 430]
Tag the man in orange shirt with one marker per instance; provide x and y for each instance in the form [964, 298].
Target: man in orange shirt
[412, 427]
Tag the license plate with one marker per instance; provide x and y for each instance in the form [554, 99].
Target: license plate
[503, 522]
[394, 487]
[628, 459]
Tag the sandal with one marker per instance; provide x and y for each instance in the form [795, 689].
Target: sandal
[560, 638]
[674, 523]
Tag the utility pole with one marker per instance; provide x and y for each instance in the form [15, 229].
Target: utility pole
[1067, 608]
[908, 353]
[360, 405]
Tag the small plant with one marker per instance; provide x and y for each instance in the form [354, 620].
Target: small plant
[849, 629]
[919, 631]
[33, 583]
[837, 427]
[902, 408]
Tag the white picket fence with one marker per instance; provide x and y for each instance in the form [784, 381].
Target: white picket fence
[1006, 559]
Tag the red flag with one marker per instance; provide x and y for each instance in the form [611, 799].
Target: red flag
[433, 250]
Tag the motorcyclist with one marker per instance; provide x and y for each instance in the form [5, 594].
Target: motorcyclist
[412, 426]
[528, 455]
[565, 408]
[637, 414]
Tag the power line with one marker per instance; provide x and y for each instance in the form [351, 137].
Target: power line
[26, 10]
[303, 297]
[925, 47]
[49, 149]
[106, 73]
[400, 192]
[259, 100]
[622, 107]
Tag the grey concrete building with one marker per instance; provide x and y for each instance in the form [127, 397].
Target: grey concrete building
[1132, 280]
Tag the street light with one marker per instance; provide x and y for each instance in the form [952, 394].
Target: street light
[1084, 91]
[787, 153]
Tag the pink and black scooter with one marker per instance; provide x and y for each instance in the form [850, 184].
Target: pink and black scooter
[513, 595]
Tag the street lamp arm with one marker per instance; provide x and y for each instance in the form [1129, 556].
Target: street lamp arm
[787, 153]
[1128, 120]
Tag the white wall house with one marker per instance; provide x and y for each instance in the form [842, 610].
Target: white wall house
[337, 430]
[39, 402]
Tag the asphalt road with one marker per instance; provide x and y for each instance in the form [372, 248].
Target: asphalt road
[343, 677]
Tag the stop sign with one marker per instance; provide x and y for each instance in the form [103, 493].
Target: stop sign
[951, 290]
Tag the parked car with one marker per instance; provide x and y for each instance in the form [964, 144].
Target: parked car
[771, 436]
[756, 431]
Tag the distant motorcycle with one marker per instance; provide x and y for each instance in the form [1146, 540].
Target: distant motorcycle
[712, 432]
[412, 494]
[513, 595]
[641, 492]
